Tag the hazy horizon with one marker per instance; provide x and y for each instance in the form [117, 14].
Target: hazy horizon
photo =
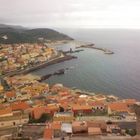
[71, 13]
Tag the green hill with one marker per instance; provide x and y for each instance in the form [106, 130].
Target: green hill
[17, 34]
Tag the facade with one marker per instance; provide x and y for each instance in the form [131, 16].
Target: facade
[81, 109]
[63, 116]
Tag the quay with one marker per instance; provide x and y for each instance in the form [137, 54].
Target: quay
[56, 60]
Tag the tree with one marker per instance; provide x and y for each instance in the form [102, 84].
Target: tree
[131, 132]
[44, 117]
[61, 109]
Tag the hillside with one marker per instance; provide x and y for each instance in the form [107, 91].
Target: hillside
[17, 34]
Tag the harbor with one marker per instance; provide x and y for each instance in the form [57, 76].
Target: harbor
[59, 59]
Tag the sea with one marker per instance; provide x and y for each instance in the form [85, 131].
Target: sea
[117, 74]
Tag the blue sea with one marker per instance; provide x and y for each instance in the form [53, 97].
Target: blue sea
[117, 74]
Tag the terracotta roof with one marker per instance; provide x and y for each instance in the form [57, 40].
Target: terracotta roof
[63, 93]
[79, 123]
[56, 125]
[97, 103]
[94, 131]
[19, 106]
[48, 132]
[38, 111]
[130, 101]
[52, 107]
[81, 107]
[97, 123]
[10, 94]
[5, 111]
[119, 106]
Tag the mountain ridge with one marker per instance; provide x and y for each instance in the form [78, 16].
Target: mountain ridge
[17, 34]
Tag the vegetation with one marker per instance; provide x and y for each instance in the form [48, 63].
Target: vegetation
[131, 132]
[61, 109]
[24, 35]
[44, 117]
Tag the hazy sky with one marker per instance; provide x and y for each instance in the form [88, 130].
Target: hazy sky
[71, 13]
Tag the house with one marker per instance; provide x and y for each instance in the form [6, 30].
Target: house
[94, 131]
[1, 88]
[63, 116]
[56, 126]
[67, 128]
[97, 124]
[52, 130]
[81, 109]
[118, 108]
[19, 106]
[6, 112]
[129, 102]
[23, 96]
[100, 97]
[52, 108]
[113, 128]
[79, 127]
[10, 96]
[2, 98]
[48, 132]
[98, 105]
[37, 112]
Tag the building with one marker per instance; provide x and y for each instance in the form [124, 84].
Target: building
[19, 106]
[94, 131]
[48, 132]
[137, 111]
[63, 116]
[10, 96]
[97, 125]
[118, 108]
[81, 109]
[6, 112]
[67, 128]
[79, 127]
[56, 127]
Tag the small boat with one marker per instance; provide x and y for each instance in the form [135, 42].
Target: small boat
[59, 72]
[109, 52]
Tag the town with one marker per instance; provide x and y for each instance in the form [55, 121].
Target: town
[17, 57]
[32, 109]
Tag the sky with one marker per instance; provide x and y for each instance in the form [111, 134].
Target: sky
[71, 13]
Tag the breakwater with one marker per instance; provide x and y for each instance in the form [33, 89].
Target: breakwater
[92, 46]
[47, 76]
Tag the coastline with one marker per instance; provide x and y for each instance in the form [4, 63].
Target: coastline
[59, 59]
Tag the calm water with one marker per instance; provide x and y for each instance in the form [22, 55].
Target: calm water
[117, 74]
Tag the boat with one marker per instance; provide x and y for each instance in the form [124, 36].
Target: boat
[108, 52]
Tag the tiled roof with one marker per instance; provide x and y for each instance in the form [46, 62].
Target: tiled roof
[130, 101]
[81, 107]
[10, 94]
[119, 106]
[94, 130]
[97, 103]
[19, 106]
[48, 132]
[97, 123]
[56, 125]
[5, 111]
